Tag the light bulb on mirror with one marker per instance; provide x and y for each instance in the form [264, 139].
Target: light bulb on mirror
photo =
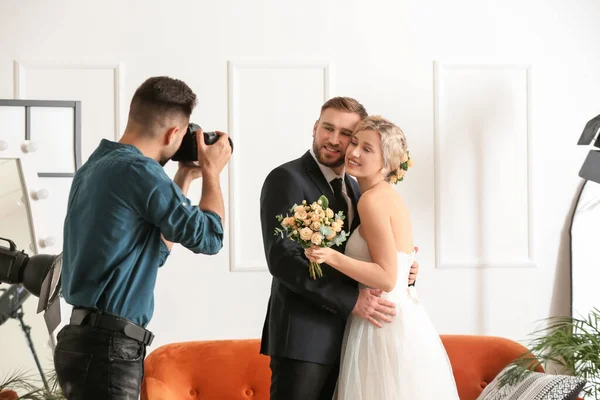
[47, 242]
[40, 194]
[29, 147]
[3, 145]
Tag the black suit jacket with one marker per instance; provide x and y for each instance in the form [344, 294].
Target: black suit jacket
[305, 317]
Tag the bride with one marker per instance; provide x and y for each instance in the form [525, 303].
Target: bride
[405, 359]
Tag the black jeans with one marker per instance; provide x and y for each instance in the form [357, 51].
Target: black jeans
[301, 380]
[93, 363]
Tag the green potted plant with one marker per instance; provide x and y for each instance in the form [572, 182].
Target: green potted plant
[569, 343]
[31, 388]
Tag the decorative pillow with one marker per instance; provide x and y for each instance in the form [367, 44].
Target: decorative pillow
[535, 386]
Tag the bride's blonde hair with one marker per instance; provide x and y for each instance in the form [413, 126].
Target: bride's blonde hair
[394, 147]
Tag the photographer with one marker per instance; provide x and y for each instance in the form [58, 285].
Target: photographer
[123, 215]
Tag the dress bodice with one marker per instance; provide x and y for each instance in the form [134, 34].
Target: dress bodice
[358, 248]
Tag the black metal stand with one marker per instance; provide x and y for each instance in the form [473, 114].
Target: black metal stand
[26, 329]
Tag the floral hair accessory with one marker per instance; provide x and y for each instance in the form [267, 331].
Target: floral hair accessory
[398, 174]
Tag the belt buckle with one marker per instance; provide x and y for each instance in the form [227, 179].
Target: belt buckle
[148, 337]
[138, 333]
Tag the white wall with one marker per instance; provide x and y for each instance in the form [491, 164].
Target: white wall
[382, 53]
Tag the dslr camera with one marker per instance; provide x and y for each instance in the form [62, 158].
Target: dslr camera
[188, 151]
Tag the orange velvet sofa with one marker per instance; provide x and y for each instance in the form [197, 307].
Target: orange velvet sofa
[234, 369]
[6, 394]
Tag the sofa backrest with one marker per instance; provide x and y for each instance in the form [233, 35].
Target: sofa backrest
[234, 369]
[219, 369]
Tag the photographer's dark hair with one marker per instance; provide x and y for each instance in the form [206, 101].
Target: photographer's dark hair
[160, 98]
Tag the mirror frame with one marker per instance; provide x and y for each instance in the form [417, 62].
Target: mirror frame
[576, 277]
[42, 240]
[22, 152]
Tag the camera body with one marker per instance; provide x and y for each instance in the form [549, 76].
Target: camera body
[188, 151]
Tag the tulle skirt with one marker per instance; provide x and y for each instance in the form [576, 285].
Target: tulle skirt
[404, 360]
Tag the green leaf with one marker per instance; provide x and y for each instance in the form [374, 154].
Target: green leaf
[340, 215]
[325, 230]
[324, 202]
[569, 342]
[340, 238]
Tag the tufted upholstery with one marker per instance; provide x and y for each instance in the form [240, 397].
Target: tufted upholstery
[221, 369]
[234, 369]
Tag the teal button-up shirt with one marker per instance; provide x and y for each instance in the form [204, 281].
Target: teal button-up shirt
[119, 204]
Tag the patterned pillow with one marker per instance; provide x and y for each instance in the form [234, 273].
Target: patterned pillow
[536, 386]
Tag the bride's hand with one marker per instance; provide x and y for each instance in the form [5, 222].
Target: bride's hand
[319, 254]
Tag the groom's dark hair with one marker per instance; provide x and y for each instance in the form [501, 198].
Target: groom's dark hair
[347, 104]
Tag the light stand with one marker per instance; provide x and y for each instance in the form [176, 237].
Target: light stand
[11, 306]
[26, 329]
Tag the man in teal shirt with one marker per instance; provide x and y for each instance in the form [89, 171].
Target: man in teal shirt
[123, 216]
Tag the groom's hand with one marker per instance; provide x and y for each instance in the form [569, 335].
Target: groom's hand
[373, 308]
[414, 270]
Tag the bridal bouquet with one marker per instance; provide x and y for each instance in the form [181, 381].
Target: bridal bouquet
[313, 225]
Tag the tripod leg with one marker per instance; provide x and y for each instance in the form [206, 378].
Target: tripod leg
[26, 330]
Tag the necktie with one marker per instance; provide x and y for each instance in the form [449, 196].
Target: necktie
[340, 200]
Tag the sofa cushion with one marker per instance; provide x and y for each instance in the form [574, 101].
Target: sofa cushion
[535, 386]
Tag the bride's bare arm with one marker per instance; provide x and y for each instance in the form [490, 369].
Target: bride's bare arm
[377, 230]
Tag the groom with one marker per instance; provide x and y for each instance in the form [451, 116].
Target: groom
[305, 321]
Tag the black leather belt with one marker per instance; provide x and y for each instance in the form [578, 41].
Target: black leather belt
[87, 316]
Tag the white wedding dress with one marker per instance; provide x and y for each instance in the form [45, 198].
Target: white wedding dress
[404, 360]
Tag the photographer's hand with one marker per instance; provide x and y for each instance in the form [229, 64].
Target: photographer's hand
[186, 173]
[216, 156]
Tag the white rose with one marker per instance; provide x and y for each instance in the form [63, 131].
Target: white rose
[337, 226]
[300, 214]
[306, 233]
[292, 221]
[316, 238]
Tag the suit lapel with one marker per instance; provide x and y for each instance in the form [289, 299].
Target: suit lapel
[315, 174]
